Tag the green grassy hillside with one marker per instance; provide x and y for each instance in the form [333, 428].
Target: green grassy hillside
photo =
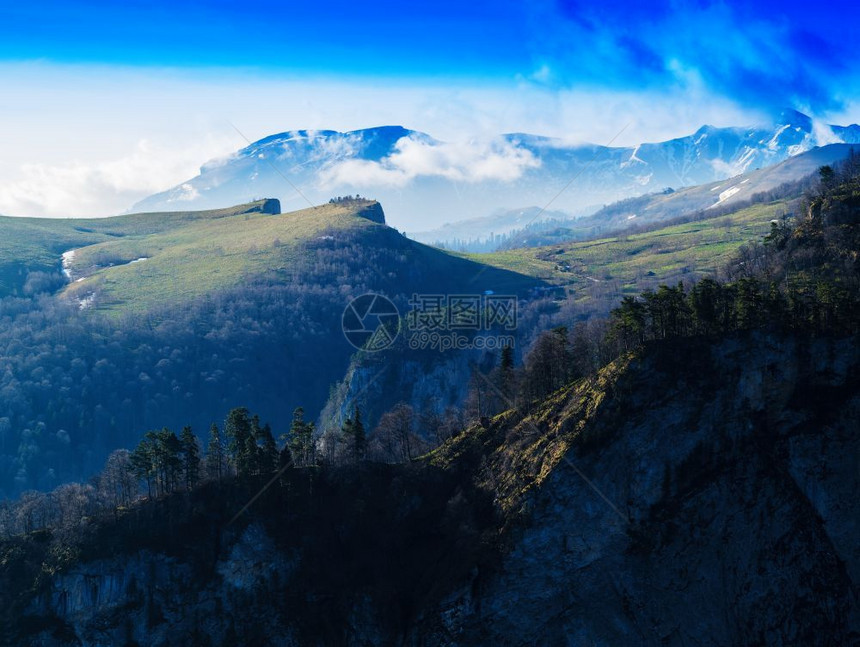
[131, 263]
[199, 256]
[626, 264]
[37, 244]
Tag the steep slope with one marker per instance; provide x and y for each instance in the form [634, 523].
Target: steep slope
[590, 278]
[176, 323]
[425, 182]
[692, 494]
[700, 495]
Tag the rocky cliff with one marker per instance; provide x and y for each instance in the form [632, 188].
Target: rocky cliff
[696, 493]
[706, 497]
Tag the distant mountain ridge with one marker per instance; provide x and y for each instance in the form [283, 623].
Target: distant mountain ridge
[425, 182]
[785, 179]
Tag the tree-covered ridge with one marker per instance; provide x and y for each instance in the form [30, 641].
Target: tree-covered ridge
[804, 276]
[75, 385]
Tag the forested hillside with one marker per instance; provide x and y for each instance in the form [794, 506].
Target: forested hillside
[78, 382]
[689, 476]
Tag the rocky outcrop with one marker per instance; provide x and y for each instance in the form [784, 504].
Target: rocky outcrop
[372, 211]
[717, 507]
[271, 206]
[157, 599]
[694, 494]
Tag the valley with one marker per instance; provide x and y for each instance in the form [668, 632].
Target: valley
[429, 324]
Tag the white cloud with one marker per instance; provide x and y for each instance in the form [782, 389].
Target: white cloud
[73, 134]
[100, 188]
[188, 193]
[470, 161]
[822, 135]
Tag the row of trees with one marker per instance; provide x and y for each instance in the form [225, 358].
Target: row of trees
[803, 277]
[164, 463]
[712, 308]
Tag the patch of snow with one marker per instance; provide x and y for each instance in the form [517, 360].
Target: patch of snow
[631, 217]
[717, 188]
[725, 195]
[139, 260]
[66, 262]
[633, 158]
[774, 142]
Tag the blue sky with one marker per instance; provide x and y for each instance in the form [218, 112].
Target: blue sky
[758, 53]
[107, 101]
[402, 39]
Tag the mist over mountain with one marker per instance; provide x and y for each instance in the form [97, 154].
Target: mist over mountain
[425, 183]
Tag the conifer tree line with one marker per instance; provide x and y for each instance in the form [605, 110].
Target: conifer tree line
[164, 463]
[802, 278]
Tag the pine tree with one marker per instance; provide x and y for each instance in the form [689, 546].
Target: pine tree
[359, 436]
[169, 459]
[268, 451]
[285, 458]
[506, 383]
[301, 439]
[141, 463]
[190, 457]
[215, 454]
[237, 429]
[157, 459]
[354, 436]
[254, 449]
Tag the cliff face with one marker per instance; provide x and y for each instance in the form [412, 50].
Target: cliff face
[715, 504]
[373, 212]
[693, 495]
[271, 206]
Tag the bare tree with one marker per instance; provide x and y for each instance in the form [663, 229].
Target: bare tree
[394, 439]
[75, 502]
[117, 485]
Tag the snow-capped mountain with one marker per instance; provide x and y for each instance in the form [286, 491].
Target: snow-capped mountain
[424, 182]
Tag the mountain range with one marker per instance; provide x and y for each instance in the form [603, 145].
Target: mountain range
[425, 183]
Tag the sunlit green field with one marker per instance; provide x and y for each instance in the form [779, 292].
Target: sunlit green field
[36, 244]
[627, 264]
[132, 263]
[199, 256]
